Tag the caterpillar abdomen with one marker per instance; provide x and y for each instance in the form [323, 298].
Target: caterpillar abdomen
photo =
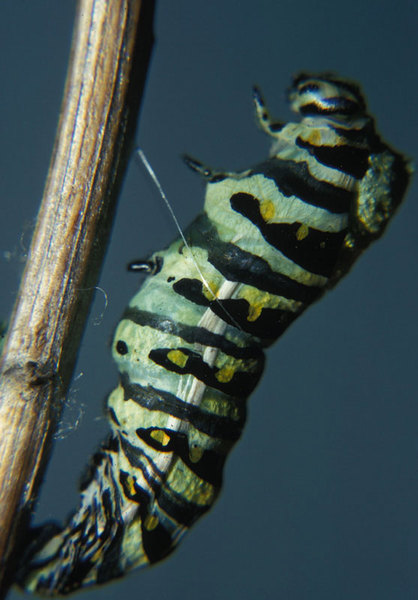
[190, 345]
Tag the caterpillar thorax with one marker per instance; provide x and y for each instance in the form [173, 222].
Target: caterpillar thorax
[189, 346]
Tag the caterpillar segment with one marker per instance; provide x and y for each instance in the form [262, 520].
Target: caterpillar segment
[190, 345]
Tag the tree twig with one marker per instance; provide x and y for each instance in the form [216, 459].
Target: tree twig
[110, 50]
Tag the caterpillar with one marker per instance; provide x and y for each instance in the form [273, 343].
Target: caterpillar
[190, 345]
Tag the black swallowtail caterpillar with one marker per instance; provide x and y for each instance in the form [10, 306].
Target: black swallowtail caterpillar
[190, 345]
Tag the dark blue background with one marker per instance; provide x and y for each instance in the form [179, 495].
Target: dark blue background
[321, 495]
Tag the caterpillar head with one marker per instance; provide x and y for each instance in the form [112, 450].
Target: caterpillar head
[326, 95]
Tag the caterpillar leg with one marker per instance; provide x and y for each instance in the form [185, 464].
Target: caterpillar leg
[198, 167]
[148, 267]
[263, 116]
[210, 175]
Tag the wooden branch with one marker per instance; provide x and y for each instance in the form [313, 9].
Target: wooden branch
[110, 50]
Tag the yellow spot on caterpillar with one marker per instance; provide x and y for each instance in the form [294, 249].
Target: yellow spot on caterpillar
[220, 407]
[225, 374]
[254, 312]
[208, 293]
[177, 357]
[160, 436]
[267, 210]
[314, 137]
[96, 555]
[131, 483]
[210, 290]
[302, 232]
[349, 241]
[151, 522]
[195, 453]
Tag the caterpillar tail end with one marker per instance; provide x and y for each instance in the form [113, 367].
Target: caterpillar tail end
[32, 572]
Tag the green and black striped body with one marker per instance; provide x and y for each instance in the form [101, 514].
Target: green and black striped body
[190, 345]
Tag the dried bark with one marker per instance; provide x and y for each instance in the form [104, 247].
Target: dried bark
[110, 50]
